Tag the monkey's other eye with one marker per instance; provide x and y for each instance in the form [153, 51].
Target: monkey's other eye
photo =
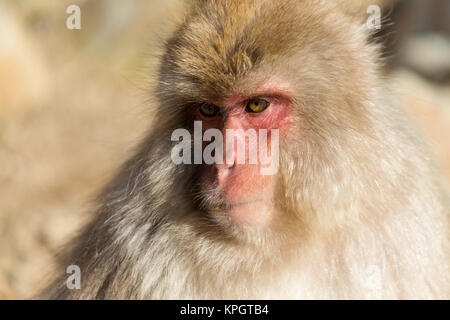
[209, 110]
[256, 106]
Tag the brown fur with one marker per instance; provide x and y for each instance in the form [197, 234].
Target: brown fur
[356, 195]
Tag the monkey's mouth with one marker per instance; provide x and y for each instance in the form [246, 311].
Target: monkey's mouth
[224, 206]
[213, 200]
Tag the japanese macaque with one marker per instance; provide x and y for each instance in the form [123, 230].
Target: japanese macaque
[353, 210]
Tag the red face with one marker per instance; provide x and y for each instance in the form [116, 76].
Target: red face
[240, 190]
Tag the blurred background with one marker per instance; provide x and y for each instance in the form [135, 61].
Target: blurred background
[73, 103]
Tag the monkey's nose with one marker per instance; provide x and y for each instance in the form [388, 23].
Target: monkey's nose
[223, 171]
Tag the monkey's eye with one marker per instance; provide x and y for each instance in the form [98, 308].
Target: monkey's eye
[256, 106]
[209, 110]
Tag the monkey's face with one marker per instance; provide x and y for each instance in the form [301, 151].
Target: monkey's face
[284, 69]
[240, 185]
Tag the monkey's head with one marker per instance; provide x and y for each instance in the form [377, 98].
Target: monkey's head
[286, 66]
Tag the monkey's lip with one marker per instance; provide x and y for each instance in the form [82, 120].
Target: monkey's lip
[231, 205]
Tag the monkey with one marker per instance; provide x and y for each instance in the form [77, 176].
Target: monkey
[354, 210]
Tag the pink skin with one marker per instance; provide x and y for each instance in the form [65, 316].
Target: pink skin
[247, 193]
